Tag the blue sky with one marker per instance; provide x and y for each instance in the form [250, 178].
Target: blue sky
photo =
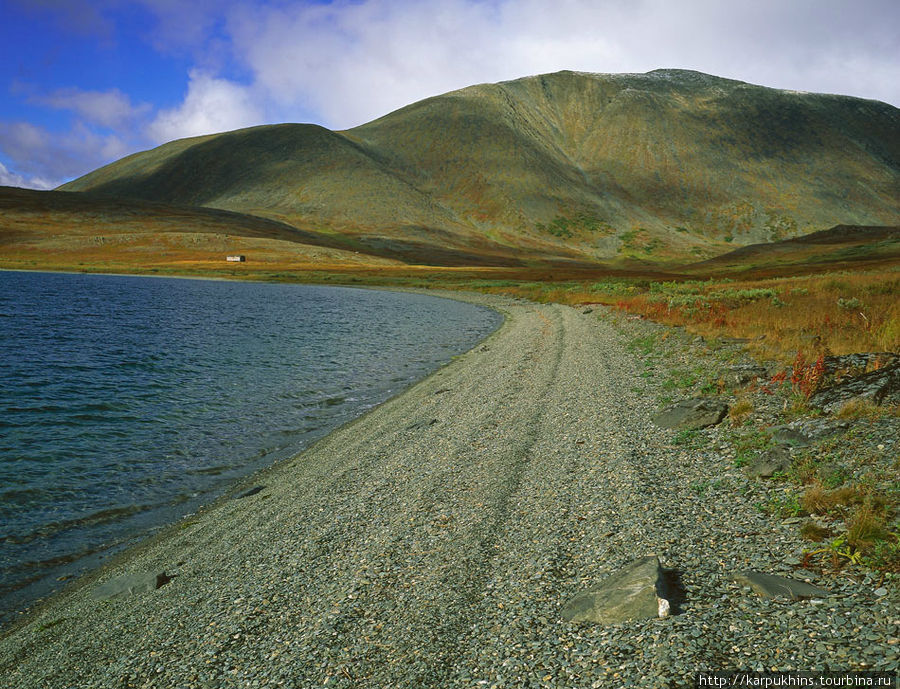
[85, 82]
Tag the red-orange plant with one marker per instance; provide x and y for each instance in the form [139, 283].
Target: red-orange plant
[807, 377]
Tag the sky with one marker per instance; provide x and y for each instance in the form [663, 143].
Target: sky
[85, 82]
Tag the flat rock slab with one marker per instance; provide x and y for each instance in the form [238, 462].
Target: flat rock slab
[692, 414]
[131, 584]
[773, 586]
[839, 368]
[771, 462]
[249, 493]
[632, 593]
[805, 432]
[881, 387]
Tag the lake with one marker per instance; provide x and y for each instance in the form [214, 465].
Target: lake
[127, 402]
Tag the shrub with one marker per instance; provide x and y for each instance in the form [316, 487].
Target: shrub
[806, 377]
[740, 411]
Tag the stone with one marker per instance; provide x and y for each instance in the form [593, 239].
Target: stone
[795, 437]
[881, 591]
[773, 586]
[130, 585]
[251, 492]
[588, 310]
[665, 608]
[692, 414]
[839, 368]
[635, 592]
[881, 387]
[420, 425]
[770, 462]
[805, 432]
[747, 373]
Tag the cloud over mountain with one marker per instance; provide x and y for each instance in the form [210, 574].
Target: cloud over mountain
[229, 64]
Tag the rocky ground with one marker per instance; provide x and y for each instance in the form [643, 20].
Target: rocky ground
[435, 541]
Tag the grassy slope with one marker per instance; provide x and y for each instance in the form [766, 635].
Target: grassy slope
[843, 247]
[636, 168]
[60, 230]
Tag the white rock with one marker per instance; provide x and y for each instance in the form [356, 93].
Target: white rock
[664, 608]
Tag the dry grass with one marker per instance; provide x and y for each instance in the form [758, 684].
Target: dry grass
[818, 500]
[859, 408]
[740, 411]
[831, 313]
[866, 526]
[813, 532]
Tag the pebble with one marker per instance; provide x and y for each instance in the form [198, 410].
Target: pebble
[440, 558]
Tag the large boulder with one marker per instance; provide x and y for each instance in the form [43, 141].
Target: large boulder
[839, 368]
[692, 414]
[806, 432]
[881, 386]
[635, 592]
[130, 585]
[741, 374]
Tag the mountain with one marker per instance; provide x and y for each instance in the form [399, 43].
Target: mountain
[568, 167]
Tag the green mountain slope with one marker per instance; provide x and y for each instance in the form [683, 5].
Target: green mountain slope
[568, 167]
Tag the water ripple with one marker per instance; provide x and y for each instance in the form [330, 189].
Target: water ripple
[126, 402]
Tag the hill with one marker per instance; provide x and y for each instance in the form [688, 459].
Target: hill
[573, 168]
[66, 231]
[839, 247]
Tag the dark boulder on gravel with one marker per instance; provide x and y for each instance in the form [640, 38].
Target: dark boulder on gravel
[746, 373]
[131, 584]
[692, 414]
[837, 369]
[635, 592]
[772, 586]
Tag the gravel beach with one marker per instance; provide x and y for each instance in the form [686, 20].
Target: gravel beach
[433, 542]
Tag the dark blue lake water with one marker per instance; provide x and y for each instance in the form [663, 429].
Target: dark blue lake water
[126, 402]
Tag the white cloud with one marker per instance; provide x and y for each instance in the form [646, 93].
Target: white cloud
[211, 105]
[351, 61]
[110, 109]
[12, 179]
[40, 157]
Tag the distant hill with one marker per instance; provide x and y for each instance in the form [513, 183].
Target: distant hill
[62, 230]
[840, 247]
[663, 167]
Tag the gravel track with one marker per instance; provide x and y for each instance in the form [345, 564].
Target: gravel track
[432, 543]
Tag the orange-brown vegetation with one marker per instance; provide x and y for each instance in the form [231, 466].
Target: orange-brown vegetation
[832, 313]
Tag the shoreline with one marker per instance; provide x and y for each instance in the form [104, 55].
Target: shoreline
[162, 534]
[432, 543]
[130, 544]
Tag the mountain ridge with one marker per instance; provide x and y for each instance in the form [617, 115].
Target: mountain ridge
[666, 166]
